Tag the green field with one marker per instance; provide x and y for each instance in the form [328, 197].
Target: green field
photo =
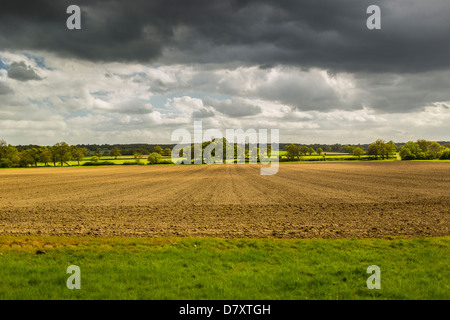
[166, 160]
[130, 160]
[119, 161]
[209, 268]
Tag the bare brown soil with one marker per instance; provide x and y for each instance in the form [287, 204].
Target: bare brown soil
[304, 200]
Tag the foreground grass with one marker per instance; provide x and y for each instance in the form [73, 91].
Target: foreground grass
[208, 268]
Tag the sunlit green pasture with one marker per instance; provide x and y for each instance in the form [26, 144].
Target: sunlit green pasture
[210, 268]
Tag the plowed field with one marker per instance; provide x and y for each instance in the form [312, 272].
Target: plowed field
[303, 200]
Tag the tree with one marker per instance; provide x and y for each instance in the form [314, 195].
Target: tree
[137, 157]
[357, 152]
[45, 155]
[30, 156]
[412, 146]
[319, 151]
[348, 149]
[292, 151]
[310, 151]
[78, 153]
[54, 155]
[406, 154]
[158, 149]
[381, 148]
[445, 154]
[304, 150]
[423, 145]
[215, 151]
[237, 151]
[26, 158]
[264, 154]
[373, 150]
[154, 158]
[115, 152]
[9, 156]
[62, 151]
[434, 150]
[98, 154]
[409, 151]
[197, 152]
[167, 152]
[390, 149]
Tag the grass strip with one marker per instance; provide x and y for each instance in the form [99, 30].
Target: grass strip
[224, 269]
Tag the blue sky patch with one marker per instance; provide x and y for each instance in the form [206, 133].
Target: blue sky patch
[40, 61]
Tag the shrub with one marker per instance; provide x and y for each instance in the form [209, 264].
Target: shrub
[165, 161]
[6, 163]
[422, 156]
[154, 158]
[132, 163]
[406, 154]
[409, 157]
[445, 154]
[97, 163]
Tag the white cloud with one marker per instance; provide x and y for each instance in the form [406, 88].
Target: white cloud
[85, 102]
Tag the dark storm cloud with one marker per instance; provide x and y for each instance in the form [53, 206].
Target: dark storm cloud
[328, 34]
[20, 71]
[400, 93]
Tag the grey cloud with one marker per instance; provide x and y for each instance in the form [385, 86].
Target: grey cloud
[395, 72]
[202, 113]
[20, 71]
[401, 93]
[134, 106]
[4, 89]
[305, 92]
[382, 92]
[235, 107]
[329, 34]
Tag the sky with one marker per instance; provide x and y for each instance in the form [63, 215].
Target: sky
[138, 70]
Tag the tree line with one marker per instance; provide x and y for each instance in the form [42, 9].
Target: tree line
[125, 149]
[424, 150]
[61, 153]
[380, 149]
